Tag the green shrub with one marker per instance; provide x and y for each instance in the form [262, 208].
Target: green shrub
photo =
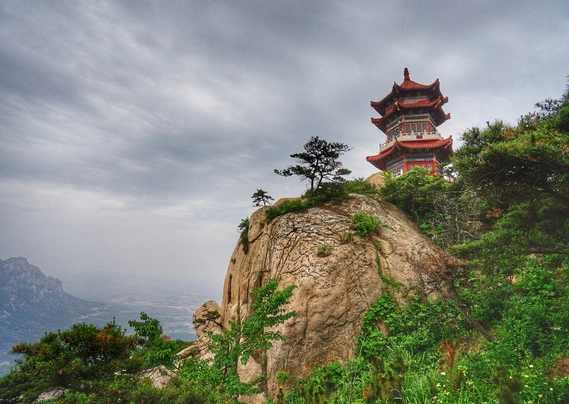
[359, 186]
[364, 224]
[337, 192]
[243, 228]
[349, 236]
[324, 250]
[286, 206]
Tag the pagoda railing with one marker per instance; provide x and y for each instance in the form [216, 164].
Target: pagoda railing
[410, 137]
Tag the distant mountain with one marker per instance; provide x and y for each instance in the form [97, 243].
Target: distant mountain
[32, 303]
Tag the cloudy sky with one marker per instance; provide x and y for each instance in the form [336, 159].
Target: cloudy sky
[133, 133]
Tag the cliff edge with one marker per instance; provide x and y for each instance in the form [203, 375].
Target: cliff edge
[339, 275]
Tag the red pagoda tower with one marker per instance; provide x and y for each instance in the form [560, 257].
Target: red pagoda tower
[410, 115]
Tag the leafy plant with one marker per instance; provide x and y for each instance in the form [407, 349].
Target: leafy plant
[286, 206]
[156, 348]
[74, 359]
[364, 224]
[238, 342]
[324, 250]
[243, 228]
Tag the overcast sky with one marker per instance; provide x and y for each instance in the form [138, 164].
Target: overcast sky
[133, 133]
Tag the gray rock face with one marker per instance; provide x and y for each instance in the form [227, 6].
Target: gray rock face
[56, 392]
[338, 275]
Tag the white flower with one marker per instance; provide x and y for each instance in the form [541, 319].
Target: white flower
[443, 373]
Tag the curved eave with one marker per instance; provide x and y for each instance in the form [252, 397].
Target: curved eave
[440, 115]
[435, 103]
[397, 89]
[443, 145]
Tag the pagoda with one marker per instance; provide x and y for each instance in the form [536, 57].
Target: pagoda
[410, 114]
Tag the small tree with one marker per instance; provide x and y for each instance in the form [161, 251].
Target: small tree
[238, 342]
[155, 348]
[261, 197]
[81, 359]
[318, 163]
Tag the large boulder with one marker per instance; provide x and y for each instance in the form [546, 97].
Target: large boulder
[339, 275]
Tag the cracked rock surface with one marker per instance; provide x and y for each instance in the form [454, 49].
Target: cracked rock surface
[337, 277]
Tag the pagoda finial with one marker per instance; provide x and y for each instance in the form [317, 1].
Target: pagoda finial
[406, 74]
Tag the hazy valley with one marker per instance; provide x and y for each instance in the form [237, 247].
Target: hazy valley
[36, 303]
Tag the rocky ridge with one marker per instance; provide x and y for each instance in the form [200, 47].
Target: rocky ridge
[32, 303]
[335, 288]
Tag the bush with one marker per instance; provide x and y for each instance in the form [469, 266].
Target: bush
[243, 228]
[364, 224]
[324, 250]
[360, 186]
[328, 192]
[77, 358]
[285, 207]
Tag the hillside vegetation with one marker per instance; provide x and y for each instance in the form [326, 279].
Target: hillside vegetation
[504, 336]
[500, 336]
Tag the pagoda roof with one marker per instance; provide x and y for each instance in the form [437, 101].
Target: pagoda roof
[406, 86]
[380, 160]
[439, 117]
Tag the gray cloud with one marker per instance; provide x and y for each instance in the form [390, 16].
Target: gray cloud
[134, 132]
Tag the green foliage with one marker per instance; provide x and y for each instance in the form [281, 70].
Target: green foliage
[364, 224]
[535, 320]
[253, 336]
[318, 163]
[243, 228]
[261, 198]
[505, 327]
[282, 377]
[334, 192]
[324, 250]
[320, 387]
[522, 172]
[156, 349]
[448, 212]
[286, 206]
[102, 365]
[75, 359]
[497, 333]
[414, 192]
[149, 330]
[360, 186]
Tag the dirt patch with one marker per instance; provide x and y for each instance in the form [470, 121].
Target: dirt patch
[561, 368]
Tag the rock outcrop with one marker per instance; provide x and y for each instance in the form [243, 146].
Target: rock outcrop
[339, 275]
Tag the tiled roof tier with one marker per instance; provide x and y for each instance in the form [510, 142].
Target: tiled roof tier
[416, 104]
[443, 145]
[436, 105]
[407, 85]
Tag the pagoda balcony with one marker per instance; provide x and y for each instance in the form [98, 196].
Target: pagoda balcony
[410, 137]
